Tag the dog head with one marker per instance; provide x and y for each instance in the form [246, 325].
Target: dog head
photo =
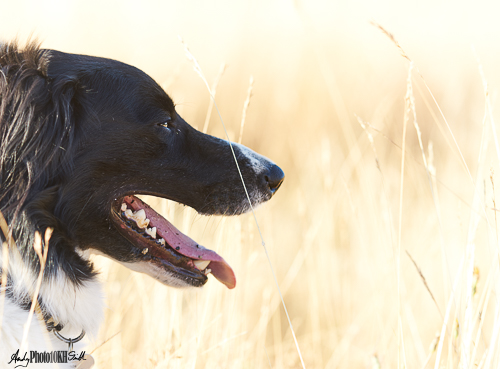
[91, 134]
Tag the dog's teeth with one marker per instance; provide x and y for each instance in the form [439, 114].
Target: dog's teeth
[143, 224]
[151, 232]
[140, 214]
[162, 241]
[201, 264]
[145, 251]
[140, 218]
[124, 207]
[207, 271]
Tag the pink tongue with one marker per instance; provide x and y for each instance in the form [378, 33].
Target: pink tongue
[183, 244]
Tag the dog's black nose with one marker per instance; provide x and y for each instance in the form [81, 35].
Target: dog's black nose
[274, 178]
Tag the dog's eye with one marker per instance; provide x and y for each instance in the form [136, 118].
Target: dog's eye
[166, 123]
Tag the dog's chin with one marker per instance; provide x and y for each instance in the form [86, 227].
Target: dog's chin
[162, 251]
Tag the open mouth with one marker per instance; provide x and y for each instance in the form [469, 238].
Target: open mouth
[163, 246]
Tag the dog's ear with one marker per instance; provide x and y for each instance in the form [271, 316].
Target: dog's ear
[37, 123]
[36, 130]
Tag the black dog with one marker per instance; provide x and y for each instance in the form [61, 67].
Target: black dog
[80, 137]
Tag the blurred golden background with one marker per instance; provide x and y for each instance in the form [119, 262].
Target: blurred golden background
[377, 269]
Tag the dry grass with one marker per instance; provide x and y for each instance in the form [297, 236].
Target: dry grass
[357, 201]
[356, 296]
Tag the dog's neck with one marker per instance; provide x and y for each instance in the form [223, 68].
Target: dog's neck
[75, 307]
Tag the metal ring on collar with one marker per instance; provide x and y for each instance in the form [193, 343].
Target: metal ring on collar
[69, 341]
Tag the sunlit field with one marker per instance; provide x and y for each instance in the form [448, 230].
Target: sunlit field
[384, 237]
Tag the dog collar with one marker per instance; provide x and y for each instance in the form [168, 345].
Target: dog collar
[53, 327]
[69, 341]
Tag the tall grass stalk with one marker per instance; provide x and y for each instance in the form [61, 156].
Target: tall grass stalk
[41, 252]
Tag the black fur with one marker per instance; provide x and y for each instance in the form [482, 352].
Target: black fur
[78, 132]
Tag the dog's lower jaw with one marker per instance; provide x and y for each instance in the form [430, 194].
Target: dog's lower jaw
[158, 274]
[76, 308]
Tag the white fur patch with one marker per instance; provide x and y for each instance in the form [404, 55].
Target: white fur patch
[77, 308]
[258, 162]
